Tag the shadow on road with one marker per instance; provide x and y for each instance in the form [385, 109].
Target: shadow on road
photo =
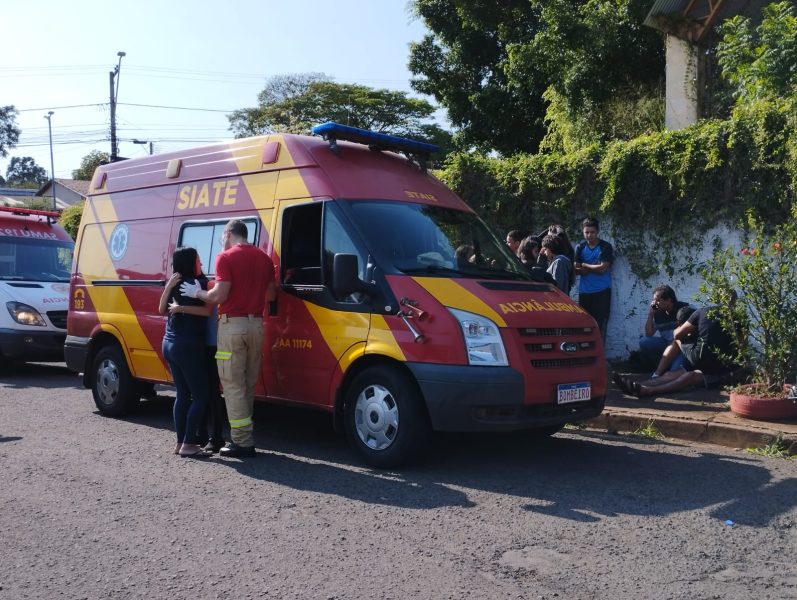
[576, 475]
[39, 375]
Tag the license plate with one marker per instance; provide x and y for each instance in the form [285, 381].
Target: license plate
[572, 392]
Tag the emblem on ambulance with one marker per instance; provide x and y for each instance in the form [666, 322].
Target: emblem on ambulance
[117, 244]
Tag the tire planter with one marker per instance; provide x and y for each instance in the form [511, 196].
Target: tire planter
[763, 409]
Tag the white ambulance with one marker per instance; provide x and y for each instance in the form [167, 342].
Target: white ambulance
[35, 262]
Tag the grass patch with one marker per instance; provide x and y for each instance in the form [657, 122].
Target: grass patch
[649, 430]
[581, 425]
[776, 449]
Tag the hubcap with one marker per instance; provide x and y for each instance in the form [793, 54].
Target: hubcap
[376, 417]
[107, 382]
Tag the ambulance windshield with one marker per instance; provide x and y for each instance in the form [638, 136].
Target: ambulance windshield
[435, 241]
[30, 259]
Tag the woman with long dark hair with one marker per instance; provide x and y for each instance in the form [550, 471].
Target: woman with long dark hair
[184, 350]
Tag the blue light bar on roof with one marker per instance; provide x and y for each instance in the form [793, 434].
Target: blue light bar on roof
[377, 141]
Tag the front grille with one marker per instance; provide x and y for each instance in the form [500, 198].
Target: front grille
[550, 346]
[555, 331]
[57, 318]
[553, 363]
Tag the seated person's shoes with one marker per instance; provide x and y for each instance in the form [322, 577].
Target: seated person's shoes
[233, 450]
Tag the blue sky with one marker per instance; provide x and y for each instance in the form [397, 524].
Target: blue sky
[189, 54]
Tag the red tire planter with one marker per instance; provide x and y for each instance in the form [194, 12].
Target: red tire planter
[763, 409]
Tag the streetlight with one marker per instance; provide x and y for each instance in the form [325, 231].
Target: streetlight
[142, 142]
[48, 116]
[114, 94]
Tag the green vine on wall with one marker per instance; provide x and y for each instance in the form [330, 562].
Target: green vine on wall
[662, 192]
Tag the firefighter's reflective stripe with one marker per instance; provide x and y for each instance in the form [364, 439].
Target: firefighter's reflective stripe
[221, 355]
[238, 423]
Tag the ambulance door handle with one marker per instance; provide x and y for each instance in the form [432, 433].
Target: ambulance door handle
[272, 308]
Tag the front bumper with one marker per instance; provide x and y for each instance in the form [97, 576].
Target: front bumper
[468, 398]
[75, 352]
[44, 346]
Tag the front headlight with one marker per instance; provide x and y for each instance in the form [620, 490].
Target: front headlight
[482, 339]
[25, 314]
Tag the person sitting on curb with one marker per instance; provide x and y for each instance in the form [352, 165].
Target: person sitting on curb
[661, 318]
[704, 345]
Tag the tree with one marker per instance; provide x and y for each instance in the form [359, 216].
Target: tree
[24, 172]
[89, 163]
[295, 103]
[9, 132]
[490, 67]
[70, 218]
[759, 62]
[40, 204]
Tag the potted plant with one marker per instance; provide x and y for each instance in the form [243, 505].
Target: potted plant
[763, 320]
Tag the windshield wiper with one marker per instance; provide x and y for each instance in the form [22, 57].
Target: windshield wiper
[432, 270]
[475, 270]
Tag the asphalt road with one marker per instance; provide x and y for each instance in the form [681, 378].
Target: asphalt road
[92, 507]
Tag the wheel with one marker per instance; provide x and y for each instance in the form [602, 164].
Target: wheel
[385, 417]
[113, 387]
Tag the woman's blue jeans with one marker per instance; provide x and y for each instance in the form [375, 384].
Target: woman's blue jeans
[188, 365]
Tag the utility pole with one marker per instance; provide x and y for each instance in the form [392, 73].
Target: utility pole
[48, 116]
[114, 94]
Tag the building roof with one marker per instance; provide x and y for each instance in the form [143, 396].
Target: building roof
[694, 20]
[76, 185]
[12, 191]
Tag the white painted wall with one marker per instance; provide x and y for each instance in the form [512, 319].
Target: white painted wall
[681, 104]
[631, 297]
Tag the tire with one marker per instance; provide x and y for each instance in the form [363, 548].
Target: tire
[115, 390]
[385, 417]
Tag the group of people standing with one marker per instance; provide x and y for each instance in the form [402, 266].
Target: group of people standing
[550, 255]
[214, 334]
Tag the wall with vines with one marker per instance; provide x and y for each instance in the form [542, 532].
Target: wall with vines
[666, 199]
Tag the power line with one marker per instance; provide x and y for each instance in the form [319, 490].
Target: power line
[60, 107]
[176, 107]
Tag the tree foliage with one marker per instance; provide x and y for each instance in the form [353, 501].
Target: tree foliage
[70, 218]
[295, 103]
[9, 132]
[760, 62]
[714, 172]
[89, 163]
[24, 172]
[490, 67]
[40, 203]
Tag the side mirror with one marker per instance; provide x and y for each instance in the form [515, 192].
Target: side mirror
[346, 279]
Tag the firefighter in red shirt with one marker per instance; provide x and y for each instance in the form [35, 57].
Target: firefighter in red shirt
[244, 283]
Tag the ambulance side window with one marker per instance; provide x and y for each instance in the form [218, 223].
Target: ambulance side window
[206, 238]
[301, 244]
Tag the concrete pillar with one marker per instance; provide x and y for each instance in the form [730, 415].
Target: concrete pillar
[683, 83]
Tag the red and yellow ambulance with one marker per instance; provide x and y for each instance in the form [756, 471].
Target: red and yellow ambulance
[397, 310]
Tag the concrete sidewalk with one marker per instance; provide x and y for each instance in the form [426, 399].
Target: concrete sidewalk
[698, 415]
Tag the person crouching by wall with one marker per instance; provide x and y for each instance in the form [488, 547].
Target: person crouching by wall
[184, 350]
[661, 319]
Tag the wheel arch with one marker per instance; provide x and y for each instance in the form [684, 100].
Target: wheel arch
[101, 337]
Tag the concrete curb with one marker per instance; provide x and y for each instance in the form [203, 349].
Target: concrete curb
[717, 429]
